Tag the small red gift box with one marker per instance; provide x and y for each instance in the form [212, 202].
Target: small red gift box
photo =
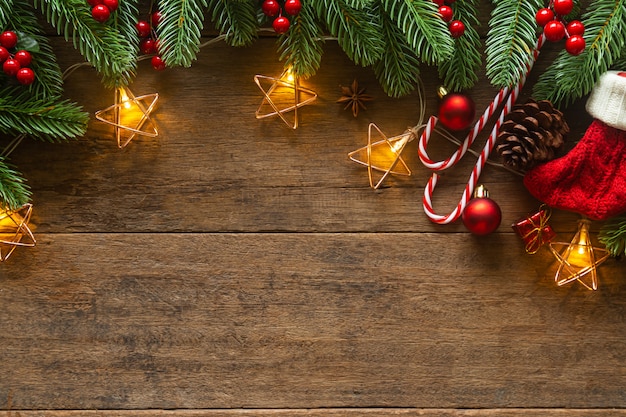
[535, 230]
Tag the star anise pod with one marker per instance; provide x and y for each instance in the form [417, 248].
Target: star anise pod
[354, 98]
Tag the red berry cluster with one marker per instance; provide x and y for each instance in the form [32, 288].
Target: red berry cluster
[456, 27]
[555, 28]
[15, 64]
[272, 8]
[149, 42]
[101, 9]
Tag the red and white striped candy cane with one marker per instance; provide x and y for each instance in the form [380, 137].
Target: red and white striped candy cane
[484, 155]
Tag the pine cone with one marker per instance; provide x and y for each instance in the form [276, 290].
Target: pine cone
[531, 134]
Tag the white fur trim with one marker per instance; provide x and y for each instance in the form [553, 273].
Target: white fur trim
[607, 101]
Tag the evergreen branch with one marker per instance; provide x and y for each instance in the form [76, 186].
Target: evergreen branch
[125, 22]
[570, 77]
[237, 20]
[41, 118]
[613, 235]
[398, 70]
[423, 27]
[180, 30]
[6, 10]
[100, 43]
[357, 30]
[460, 71]
[301, 46]
[511, 39]
[14, 192]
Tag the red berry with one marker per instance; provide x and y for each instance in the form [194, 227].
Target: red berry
[148, 46]
[575, 27]
[4, 54]
[11, 66]
[281, 24]
[446, 13]
[439, 2]
[563, 7]
[457, 28]
[8, 39]
[155, 18]
[93, 3]
[100, 13]
[293, 7]
[25, 76]
[575, 45]
[157, 63]
[23, 57]
[270, 7]
[143, 28]
[111, 4]
[543, 16]
[554, 31]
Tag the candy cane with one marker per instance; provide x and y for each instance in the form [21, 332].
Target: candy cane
[482, 158]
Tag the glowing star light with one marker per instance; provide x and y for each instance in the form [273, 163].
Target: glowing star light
[579, 260]
[383, 155]
[282, 95]
[14, 230]
[130, 116]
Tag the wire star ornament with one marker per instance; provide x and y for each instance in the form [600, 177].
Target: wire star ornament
[354, 97]
[130, 115]
[383, 155]
[283, 95]
[14, 230]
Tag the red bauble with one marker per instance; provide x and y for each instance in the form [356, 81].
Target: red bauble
[25, 76]
[148, 46]
[575, 45]
[111, 4]
[157, 63]
[482, 216]
[446, 13]
[155, 18]
[23, 57]
[293, 7]
[11, 66]
[4, 54]
[270, 7]
[143, 28]
[554, 31]
[563, 7]
[457, 28]
[8, 39]
[543, 16]
[456, 111]
[281, 24]
[100, 13]
[575, 27]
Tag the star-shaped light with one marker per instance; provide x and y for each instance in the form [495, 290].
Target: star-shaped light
[383, 155]
[14, 230]
[282, 95]
[130, 115]
[579, 259]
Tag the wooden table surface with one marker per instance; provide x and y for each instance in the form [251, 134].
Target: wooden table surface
[234, 267]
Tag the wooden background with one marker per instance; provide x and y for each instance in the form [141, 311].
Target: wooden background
[233, 267]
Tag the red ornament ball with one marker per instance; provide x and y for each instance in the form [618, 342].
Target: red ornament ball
[457, 28]
[8, 39]
[575, 27]
[563, 7]
[4, 54]
[143, 28]
[446, 13]
[111, 4]
[23, 57]
[270, 7]
[543, 16]
[482, 216]
[281, 24]
[554, 31]
[100, 13]
[155, 18]
[293, 7]
[25, 76]
[11, 67]
[456, 111]
[157, 63]
[575, 45]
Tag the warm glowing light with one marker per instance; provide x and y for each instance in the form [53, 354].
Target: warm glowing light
[288, 76]
[124, 98]
[14, 230]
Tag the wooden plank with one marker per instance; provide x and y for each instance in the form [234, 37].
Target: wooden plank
[303, 320]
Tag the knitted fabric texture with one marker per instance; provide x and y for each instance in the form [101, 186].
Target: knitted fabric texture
[607, 101]
[590, 179]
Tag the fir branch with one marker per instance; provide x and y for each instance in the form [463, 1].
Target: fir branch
[570, 77]
[126, 18]
[613, 235]
[6, 10]
[14, 192]
[423, 27]
[511, 39]
[357, 30]
[180, 30]
[101, 44]
[41, 118]
[398, 70]
[301, 46]
[460, 71]
[237, 20]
